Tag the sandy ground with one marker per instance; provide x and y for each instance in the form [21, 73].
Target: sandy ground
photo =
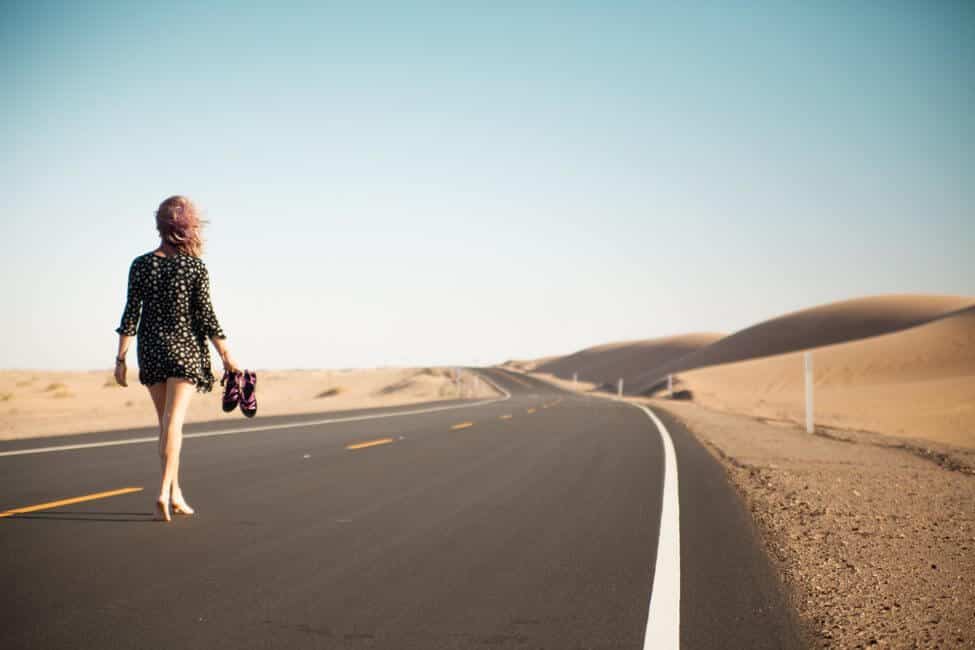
[816, 327]
[918, 383]
[874, 536]
[899, 365]
[45, 403]
[627, 360]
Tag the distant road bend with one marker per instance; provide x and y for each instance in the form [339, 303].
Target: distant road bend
[542, 519]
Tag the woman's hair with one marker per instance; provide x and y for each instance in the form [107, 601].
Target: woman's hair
[178, 222]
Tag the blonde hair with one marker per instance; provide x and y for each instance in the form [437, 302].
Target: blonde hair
[178, 222]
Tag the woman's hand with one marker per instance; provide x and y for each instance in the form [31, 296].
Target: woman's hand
[120, 372]
[229, 365]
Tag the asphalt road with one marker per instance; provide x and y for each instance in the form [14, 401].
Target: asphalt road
[467, 529]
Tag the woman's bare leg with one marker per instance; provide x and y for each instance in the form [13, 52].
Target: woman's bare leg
[178, 394]
[158, 394]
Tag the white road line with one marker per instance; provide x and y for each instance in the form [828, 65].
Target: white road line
[267, 427]
[663, 620]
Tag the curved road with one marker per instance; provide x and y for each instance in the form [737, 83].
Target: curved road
[525, 522]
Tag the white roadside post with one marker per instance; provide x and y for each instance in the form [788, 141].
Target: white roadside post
[476, 386]
[810, 425]
[619, 389]
[575, 379]
[670, 386]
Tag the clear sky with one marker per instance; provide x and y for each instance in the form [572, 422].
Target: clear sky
[426, 183]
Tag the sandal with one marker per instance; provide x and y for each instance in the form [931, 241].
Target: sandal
[248, 399]
[231, 394]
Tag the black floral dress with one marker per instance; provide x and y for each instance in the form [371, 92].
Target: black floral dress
[173, 294]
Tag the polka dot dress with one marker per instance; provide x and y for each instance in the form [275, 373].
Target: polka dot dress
[173, 295]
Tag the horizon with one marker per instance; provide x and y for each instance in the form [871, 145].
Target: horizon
[500, 362]
[398, 186]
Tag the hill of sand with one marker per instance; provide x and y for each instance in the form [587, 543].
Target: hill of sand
[605, 364]
[527, 365]
[900, 365]
[838, 322]
[916, 383]
[45, 403]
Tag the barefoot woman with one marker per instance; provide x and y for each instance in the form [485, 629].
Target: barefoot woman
[171, 287]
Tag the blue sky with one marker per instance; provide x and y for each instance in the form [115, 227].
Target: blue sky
[426, 183]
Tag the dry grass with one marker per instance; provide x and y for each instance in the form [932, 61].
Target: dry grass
[331, 392]
[55, 386]
[6, 397]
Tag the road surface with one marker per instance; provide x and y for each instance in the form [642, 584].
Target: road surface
[530, 521]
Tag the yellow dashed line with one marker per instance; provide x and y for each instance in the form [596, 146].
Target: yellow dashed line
[507, 416]
[530, 411]
[462, 425]
[369, 443]
[65, 502]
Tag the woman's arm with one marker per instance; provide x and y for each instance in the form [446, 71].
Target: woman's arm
[211, 327]
[228, 361]
[130, 322]
[120, 369]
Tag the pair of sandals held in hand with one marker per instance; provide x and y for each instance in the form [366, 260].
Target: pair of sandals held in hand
[240, 389]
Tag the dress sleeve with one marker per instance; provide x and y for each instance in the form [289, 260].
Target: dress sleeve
[133, 303]
[204, 308]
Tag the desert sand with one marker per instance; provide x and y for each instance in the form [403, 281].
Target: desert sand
[819, 326]
[901, 365]
[605, 364]
[916, 383]
[47, 403]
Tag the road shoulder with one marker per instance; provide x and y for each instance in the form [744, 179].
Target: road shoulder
[876, 543]
[731, 594]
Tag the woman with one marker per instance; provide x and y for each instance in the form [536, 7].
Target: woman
[171, 288]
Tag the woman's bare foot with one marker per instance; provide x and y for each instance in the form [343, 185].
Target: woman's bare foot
[162, 510]
[180, 507]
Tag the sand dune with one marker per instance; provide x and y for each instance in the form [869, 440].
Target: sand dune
[917, 383]
[44, 403]
[837, 322]
[629, 360]
[528, 365]
[900, 365]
